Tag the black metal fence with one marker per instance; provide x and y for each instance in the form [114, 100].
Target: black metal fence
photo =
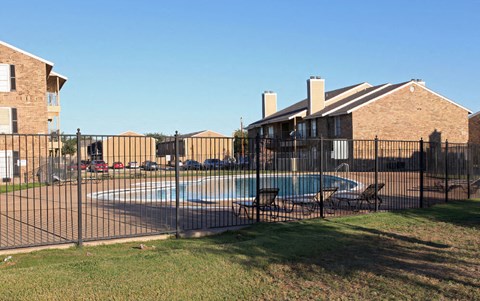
[105, 187]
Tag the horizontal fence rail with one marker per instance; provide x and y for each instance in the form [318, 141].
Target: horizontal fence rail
[58, 189]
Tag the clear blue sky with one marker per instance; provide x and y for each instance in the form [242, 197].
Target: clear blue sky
[161, 66]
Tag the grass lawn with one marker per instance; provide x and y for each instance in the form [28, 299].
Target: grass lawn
[430, 254]
[16, 187]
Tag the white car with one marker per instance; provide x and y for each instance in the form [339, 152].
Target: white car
[133, 164]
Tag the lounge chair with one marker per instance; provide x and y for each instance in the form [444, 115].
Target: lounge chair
[310, 203]
[355, 200]
[463, 184]
[266, 202]
[60, 182]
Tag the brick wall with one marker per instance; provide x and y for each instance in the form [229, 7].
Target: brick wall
[30, 101]
[407, 115]
[474, 129]
[30, 95]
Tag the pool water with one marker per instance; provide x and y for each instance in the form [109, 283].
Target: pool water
[219, 188]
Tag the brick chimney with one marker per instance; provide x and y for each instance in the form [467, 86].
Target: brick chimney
[269, 103]
[316, 94]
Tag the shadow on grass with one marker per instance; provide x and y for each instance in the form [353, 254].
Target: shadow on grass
[341, 248]
[460, 213]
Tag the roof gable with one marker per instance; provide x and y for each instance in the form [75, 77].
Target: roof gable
[389, 90]
[26, 53]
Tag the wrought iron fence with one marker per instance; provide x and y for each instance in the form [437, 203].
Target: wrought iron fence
[105, 187]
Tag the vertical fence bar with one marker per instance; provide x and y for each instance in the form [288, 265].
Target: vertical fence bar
[376, 174]
[422, 168]
[79, 188]
[446, 171]
[177, 189]
[257, 154]
[467, 166]
[322, 213]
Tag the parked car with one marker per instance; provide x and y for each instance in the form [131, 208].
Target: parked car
[133, 164]
[192, 165]
[150, 165]
[83, 165]
[212, 164]
[117, 165]
[243, 163]
[229, 163]
[98, 166]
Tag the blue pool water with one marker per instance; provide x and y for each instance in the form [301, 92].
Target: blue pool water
[215, 189]
[212, 189]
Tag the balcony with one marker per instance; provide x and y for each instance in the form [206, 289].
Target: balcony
[53, 104]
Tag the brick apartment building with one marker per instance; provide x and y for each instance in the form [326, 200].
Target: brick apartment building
[403, 111]
[29, 104]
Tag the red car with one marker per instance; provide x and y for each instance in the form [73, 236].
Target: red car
[98, 165]
[83, 165]
[117, 165]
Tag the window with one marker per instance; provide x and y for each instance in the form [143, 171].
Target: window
[301, 130]
[271, 133]
[313, 128]
[337, 129]
[7, 78]
[8, 120]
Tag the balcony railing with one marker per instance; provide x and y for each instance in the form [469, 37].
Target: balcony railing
[52, 99]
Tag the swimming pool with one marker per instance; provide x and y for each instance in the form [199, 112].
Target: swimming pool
[215, 189]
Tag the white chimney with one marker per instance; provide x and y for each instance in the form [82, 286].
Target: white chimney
[316, 94]
[269, 103]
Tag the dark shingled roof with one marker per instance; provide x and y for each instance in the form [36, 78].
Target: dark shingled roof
[383, 91]
[333, 93]
[344, 101]
[298, 107]
[190, 134]
[285, 113]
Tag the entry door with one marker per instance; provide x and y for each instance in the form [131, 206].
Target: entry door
[6, 164]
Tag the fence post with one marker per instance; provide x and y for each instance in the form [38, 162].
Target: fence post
[422, 167]
[469, 193]
[376, 173]
[257, 155]
[79, 190]
[177, 189]
[446, 171]
[322, 213]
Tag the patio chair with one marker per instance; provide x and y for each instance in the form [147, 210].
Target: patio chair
[310, 203]
[463, 184]
[355, 200]
[266, 202]
[60, 182]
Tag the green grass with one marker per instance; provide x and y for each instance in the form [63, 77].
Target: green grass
[430, 254]
[16, 187]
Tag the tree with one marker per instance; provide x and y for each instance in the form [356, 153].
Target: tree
[240, 144]
[159, 137]
[69, 146]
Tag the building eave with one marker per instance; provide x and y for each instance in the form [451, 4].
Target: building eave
[26, 53]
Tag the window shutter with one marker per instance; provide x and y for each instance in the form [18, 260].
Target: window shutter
[16, 168]
[14, 121]
[4, 78]
[13, 81]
